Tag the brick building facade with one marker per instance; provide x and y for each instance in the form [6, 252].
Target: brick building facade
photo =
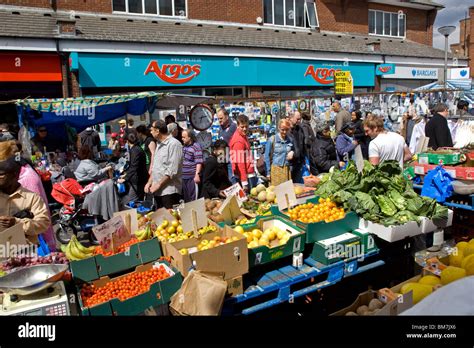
[295, 35]
[465, 47]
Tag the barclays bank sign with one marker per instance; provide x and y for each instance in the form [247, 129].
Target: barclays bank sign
[404, 72]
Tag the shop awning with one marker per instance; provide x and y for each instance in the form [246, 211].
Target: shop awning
[28, 67]
[465, 85]
[81, 113]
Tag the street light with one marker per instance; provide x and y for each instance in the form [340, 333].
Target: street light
[446, 31]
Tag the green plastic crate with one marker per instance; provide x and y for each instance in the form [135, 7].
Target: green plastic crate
[98, 266]
[159, 293]
[329, 251]
[321, 230]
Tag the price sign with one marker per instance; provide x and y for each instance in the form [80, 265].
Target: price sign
[236, 190]
[111, 234]
[343, 82]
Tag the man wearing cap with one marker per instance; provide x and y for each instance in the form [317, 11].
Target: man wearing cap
[17, 204]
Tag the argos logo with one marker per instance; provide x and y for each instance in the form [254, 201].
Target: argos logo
[173, 73]
[385, 69]
[324, 76]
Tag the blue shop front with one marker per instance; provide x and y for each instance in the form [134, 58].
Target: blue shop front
[234, 76]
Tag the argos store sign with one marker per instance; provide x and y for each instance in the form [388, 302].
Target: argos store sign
[118, 70]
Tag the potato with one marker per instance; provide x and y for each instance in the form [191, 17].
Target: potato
[362, 309]
[351, 314]
[218, 204]
[375, 304]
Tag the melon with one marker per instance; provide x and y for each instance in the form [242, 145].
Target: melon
[468, 264]
[420, 291]
[253, 191]
[430, 280]
[461, 246]
[260, 188]
[451, 274]
[271, 196]
[456, 259]
[262, 196]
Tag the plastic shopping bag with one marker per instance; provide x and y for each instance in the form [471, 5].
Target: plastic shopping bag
[438, 184]
[306, 167]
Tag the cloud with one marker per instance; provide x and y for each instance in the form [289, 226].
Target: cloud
[450, 15]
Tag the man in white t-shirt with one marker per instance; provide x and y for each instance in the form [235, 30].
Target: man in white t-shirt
[385, 145]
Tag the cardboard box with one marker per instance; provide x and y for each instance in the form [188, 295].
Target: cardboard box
[263, 254]
[321, 230]
[366, 239]
[392, 308]
[332, 250]
[429, 225]
[235, 286]
[159, 293]
[392, 233]
[230, 259]
[436, 158]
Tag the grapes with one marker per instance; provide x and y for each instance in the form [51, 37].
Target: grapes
[26, 261]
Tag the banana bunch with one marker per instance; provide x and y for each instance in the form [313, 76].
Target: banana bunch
[75, 251]
[208, 229]
[144, 234]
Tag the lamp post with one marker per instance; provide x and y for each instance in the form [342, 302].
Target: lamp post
[446, 31]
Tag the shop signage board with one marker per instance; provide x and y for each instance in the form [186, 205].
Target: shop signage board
[459, 73]
[415, 73]
[343, 82]
[120, 70]
[29, 67]
[385, 69]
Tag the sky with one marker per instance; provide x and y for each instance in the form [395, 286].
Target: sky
[453, 11]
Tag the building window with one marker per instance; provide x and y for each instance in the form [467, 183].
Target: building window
[168, 8]
[387, 23]
[291, 13]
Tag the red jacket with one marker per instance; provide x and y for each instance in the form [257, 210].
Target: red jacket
[241, 157]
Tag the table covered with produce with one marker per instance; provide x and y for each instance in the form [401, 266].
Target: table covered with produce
[280, 247]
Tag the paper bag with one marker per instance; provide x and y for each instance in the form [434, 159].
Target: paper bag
[200, 294]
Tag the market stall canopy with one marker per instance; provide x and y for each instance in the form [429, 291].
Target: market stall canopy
[84, 112]
[464, 85]
[174, 101]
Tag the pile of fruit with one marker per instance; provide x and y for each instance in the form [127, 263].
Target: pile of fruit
[364, 310]
[271, 237]
[144, 233]
[326, 211]
[256, 208]
[121, 249]
[171, 232]
[263, 194]
[123, 288]
[463, 257]
[212, 208]
[206, 244]
[146, 220]
[75, 251]
[26, 261]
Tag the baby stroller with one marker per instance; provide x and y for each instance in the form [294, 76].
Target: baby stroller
[72, 217]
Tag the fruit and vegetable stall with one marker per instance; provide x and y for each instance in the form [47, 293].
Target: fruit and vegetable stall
[347, 243]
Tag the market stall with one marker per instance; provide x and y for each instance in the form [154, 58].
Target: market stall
[339, 235]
